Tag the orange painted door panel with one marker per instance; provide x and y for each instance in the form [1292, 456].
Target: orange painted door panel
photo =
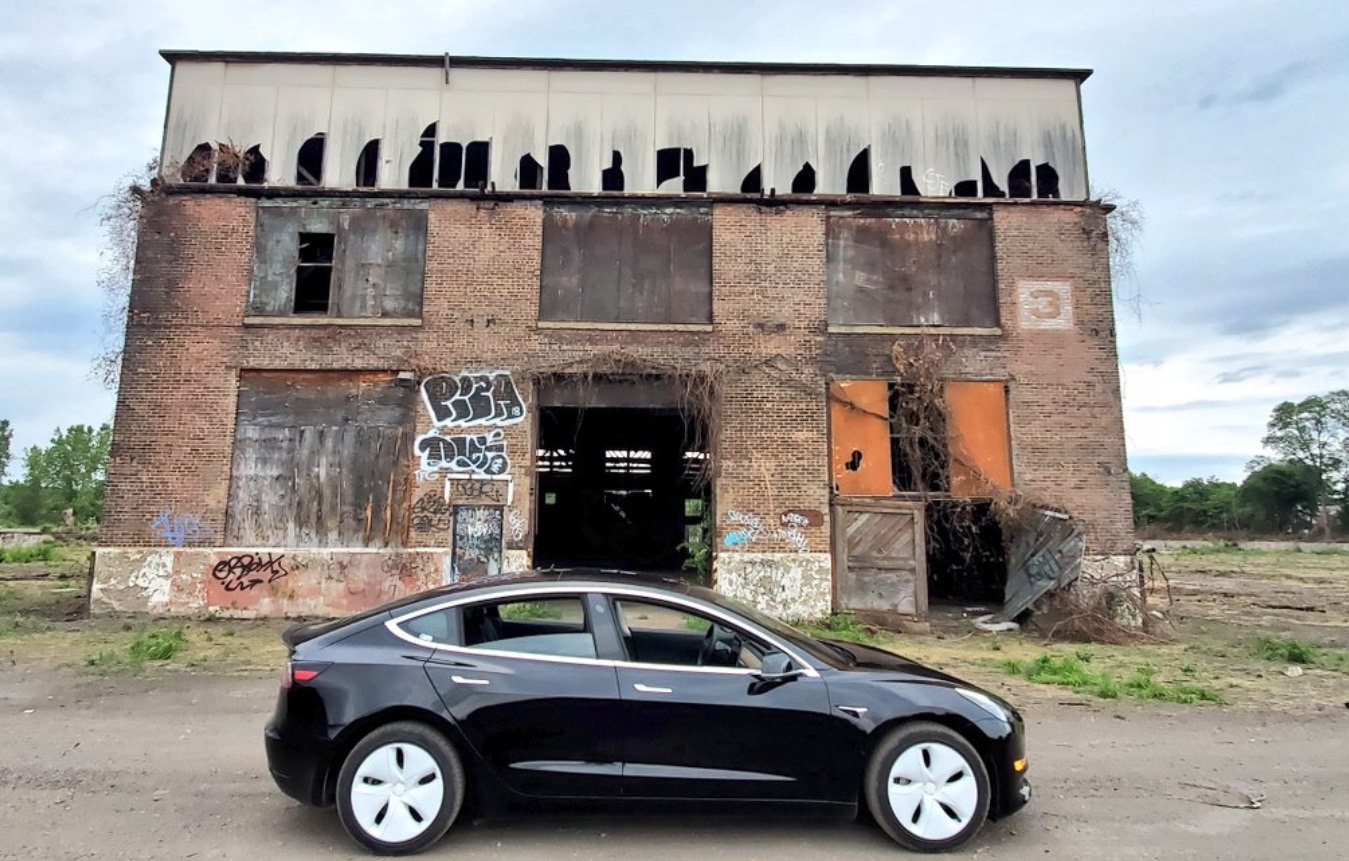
[977, 433]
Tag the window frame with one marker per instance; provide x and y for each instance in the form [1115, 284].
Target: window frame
[739, 629]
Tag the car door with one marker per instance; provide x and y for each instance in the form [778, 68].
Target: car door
[522, 681]
[710, 732]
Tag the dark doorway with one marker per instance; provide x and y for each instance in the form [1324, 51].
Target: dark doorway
[619, 487]
[966, 553]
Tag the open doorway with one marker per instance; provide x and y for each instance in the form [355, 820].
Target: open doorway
[966, 553]
[619, 487]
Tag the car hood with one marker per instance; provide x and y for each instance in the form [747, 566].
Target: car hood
[873, 660]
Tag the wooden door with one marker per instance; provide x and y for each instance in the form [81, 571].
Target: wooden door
[882, 560]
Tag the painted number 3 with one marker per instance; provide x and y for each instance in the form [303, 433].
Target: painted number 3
[1045, 304]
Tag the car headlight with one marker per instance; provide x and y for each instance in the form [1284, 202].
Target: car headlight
[985, 702]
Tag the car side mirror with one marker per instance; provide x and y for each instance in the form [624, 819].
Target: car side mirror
[777, 667]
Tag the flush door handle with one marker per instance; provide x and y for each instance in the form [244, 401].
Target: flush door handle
[648, 689]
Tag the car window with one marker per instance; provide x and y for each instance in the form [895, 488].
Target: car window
[655, 633]
[435, 627]
[555, 627]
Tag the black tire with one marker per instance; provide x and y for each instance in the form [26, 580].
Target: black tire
[876, 786]
[452, 774]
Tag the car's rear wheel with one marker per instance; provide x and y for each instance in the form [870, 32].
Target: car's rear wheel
[400, 788]
[927, 787]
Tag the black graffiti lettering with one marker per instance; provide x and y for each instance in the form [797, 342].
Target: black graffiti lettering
[247, 570]
[480, 490]
[471, 454]
[431, 513]
[473, 399]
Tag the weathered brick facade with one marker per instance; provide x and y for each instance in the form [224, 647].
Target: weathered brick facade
[187, 343]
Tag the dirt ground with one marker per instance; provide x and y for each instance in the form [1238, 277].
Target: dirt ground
[106, 755]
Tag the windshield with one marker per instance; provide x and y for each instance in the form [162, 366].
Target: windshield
[811, 646]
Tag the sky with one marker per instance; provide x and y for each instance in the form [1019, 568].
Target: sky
[1226, 120]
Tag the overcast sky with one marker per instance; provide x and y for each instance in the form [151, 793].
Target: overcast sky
[1227, 120]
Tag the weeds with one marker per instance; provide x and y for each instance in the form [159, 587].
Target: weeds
[161, 645]
[1291, 650]
[1224, 549]
[1072, 672]
[840, 626]
[47, 551]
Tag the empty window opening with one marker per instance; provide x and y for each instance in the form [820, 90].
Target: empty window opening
[530, 174]
[477, 163]
[859, 173]
[628, 487]
[1046, 181]
[255, 166]
[966, 553]
[227, 165]
[367, 165]
[804, 181]
[451, 164]
[1018, 179]
[199, 164]
[966, 188]
[559, 168]
[991, 188]
[309, 163]
[907, 186]
[675, 162]
[421, 173]
[611, 178]
[314, 273]
[753, 183]
[919, 457]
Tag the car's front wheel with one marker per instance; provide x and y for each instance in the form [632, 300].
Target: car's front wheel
[927, 787]
[400, 788]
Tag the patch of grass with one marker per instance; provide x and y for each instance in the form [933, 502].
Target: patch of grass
[158, 645]
[1213, 550]
[840, 626]
[47, 551]
[1072, 672]
[1330, 551]
[1290, 650]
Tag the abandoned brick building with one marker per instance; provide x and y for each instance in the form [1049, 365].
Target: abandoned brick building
[840, 335]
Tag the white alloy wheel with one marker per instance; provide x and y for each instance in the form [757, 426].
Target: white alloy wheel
[397, 792]
[927, 787]
[932, 791]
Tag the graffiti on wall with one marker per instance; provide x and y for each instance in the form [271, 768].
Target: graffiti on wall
[177, 530]
[455, 402]
[432, 513]
[480, 491]
[516, 522]
[750, 528]
[465, 400]
[477, 540]
[245, 571]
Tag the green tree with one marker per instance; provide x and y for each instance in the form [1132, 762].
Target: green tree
[1314, 431]
[6, 437]
[66, 475]
[1202, 504]
[1280, 496]
[1152, 499]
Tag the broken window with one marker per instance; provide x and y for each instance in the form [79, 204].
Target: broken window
[1046, 181]
[859, 173]
[1018, 180]
[320, 459]
[477, 163]
[530, 174]
[367, 165]
[422, 170]
[199, 164]
[559, 168]
[626, 264]
[907, 186]
[675, 162]
[991, 188]
[255, 166]
[611, 179]
[314, 273]
[227, 165]
[309, 164]
[804, 181]
[903, 272]
[753, 183]
[451, 164]
[918, 450]
[362, 261]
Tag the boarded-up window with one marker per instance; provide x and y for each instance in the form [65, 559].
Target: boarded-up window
[378, 261]
[899, 272]
[320, 460]
[859, 434]
[976, 419]
[629, 264]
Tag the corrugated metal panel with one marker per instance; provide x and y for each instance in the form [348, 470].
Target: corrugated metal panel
[950, 150]
[194, 112]
[520, 126]
[736, 141]
[978, 438]
[859, 437]
[844, 132]
[407, 113]
[357, 116]
[896, 142]
[574, 122]
[248, 118]
[301, 112]
[682, 122]
[790, 140]
[911, 272]
[628, 126]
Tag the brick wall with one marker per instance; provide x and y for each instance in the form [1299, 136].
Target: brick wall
[186, 343]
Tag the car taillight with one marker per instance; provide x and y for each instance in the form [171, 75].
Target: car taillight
[292, 674]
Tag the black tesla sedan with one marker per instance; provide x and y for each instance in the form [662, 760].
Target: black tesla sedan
[608, 686]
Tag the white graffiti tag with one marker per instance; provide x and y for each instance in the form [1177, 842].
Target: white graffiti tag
[466, 455]
[750, 528]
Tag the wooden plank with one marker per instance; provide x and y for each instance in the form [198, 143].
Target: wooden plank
[647, 269]
[967, 272]
[884, 565]
[859, 437]
[276, 251]
[978, 438]
[560, 279]
[690, 255]
[603, 238]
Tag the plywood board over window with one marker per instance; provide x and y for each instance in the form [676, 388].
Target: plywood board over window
[911, 272]
[978, 438]
[320, 460]
[630, 264]
[859, 437]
